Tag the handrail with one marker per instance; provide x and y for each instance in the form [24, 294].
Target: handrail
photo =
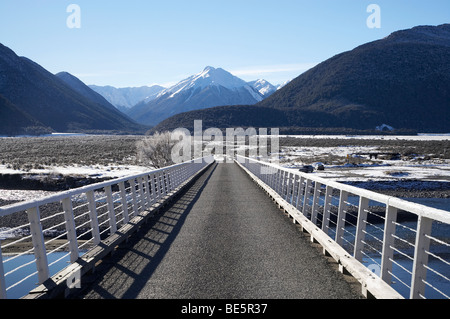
[9, 209]
[415, 208]
[83, 216]
[392, 234]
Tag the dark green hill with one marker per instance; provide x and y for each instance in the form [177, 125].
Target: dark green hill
[47, 99]
[13, 121]
[402, 80]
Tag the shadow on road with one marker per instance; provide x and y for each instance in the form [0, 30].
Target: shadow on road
[124, 274]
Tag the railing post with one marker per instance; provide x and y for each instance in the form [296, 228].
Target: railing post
[152, 186]
[275, 178]
[160, 183]
[361, 227]
[164, 180]
[278, 181]
[315, 205]
[174, 178]
[111, 213]
[295, 187]
[183, 173]
[93, 216]
[327, 208]
[157, 183]
[169, 180]
[270, 176]
[141, 200]
[341, 217]
[387, 254]
[285, 187]
[123, 199]
[38, 243]
[179, 176]
[419, 272]
[285, 184]
[133, 196]
[306, 196]
[289, 183]
[147, 192]
[300, 191]
[2, 277]
[264, 171]
[70, 228]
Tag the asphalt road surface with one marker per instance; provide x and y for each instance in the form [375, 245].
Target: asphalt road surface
[223, 238]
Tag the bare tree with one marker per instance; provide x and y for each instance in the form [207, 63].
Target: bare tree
[155, 150]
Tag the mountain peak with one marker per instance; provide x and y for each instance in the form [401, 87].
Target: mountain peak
[210, 76]
[209, 88]
[263, 87]
[209, 68]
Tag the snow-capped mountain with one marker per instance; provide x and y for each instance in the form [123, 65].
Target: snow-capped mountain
[125, 98]
[209, 88]
[279, 86]
[263, 87]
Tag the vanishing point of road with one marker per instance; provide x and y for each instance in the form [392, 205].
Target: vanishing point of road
[223, 238]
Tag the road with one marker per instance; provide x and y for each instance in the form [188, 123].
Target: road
[223, 238]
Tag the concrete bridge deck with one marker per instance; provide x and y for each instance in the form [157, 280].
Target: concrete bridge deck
[222, 238]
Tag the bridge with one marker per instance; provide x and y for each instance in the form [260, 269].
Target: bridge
[210, 229]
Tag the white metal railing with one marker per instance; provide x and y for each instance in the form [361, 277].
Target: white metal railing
[80, 218]
[406, 244]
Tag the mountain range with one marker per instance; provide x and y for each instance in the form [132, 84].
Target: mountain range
[34, 101]
[125, 98]
[401, 82]
[209, 88]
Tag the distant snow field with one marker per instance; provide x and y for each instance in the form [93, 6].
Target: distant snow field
[112, 171]
[419, 137]
[99, 172]
[416, 168]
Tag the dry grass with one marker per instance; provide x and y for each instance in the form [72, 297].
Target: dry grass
[35, 152]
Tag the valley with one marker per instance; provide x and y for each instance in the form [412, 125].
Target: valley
[34, 166]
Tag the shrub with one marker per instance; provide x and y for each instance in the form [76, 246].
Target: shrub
[155, 150]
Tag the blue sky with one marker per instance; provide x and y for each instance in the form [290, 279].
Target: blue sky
[144, 42]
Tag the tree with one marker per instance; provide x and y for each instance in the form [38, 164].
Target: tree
[155, 150]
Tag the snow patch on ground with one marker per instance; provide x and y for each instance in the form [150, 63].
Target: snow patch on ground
[377, 170]
[99, 172]
[419, 137]
[112, 171]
